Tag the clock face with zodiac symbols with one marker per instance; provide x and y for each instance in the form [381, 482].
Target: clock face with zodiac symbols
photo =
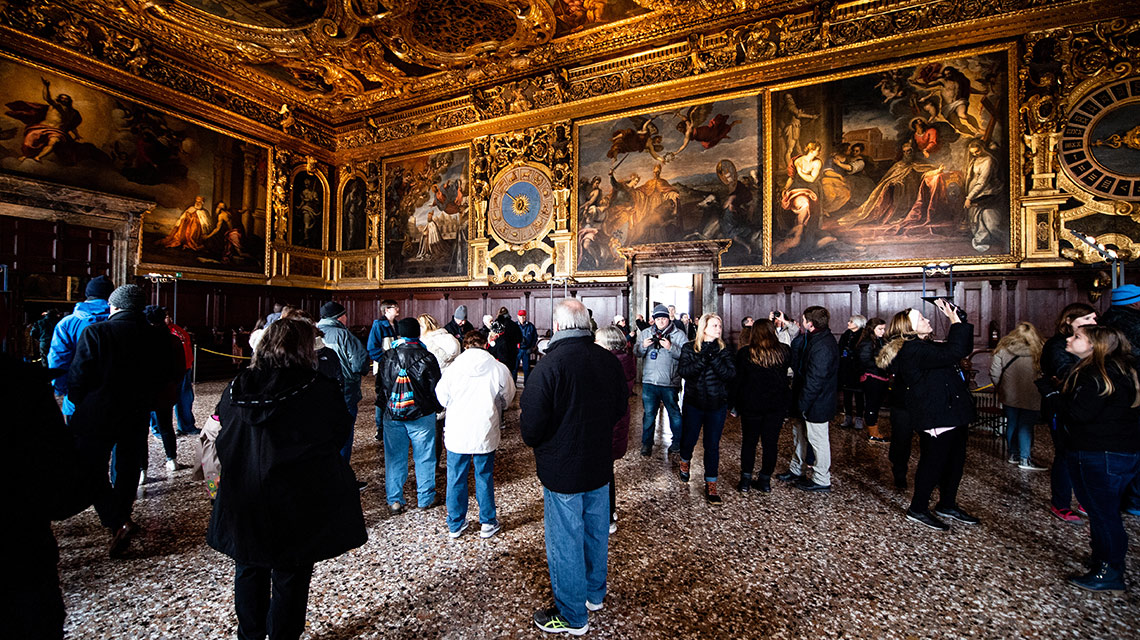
[521, 204]
[1100, 143]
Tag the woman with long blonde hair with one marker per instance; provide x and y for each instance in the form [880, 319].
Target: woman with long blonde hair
[1100, 400]
[708, 369]
[1016, 363]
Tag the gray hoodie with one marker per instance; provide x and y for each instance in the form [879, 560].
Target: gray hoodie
[660, 365]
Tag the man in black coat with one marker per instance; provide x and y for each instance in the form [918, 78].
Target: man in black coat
[459, 326]
[815, 362]
[576, 394]
[506, 347]
[119, 370]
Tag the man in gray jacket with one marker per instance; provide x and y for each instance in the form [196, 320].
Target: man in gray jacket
[353, 359]
[659, 345]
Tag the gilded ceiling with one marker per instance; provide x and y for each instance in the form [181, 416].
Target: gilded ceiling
[341, 60]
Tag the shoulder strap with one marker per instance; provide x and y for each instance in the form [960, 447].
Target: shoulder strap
[1004, 367]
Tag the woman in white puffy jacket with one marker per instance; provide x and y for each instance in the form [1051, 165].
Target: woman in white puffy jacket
[438, 341]
[475, 390]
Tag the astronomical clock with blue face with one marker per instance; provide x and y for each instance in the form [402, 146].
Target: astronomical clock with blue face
[521, 204]
[1100, 143]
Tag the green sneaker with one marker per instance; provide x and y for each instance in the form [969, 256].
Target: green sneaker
[551, 621]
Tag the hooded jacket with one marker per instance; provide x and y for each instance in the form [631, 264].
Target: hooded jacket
[475, 390]
[65, 337]
[442, 345]
[1013, 372]
[660, 365]
[936, 392]
[286, 497]
[423, 371]
[349, 351]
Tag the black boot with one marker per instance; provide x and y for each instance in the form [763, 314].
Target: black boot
[1103, 577]
[762, 483]
[745, 483]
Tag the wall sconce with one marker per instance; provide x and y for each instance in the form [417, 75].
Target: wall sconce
[1115, 265]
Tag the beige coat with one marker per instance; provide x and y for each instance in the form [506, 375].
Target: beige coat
[1015, 386]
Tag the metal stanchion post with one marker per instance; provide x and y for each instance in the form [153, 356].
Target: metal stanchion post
[194, 374]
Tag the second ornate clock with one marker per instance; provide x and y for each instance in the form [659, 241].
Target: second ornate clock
[521, 204]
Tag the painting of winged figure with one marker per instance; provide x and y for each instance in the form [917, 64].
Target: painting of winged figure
[905, 163]
[681, 174]
[426, 216]
[55, 129]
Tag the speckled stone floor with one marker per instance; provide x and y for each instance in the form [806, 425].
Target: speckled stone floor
[781, 565]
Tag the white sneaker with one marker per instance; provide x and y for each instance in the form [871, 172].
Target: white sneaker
[594, 607]
[488, 530]
[613, 527]
[172, 465]
[459, 531]
[1029, 465]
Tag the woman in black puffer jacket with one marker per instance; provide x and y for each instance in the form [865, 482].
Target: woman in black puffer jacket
[939, 404]
[708, 369]
[873, 380]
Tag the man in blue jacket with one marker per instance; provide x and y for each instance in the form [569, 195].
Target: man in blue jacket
[568, 416]
[66, 335]
[380, 339]
[526, 344]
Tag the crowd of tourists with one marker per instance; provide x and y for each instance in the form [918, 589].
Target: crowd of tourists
[281, 435]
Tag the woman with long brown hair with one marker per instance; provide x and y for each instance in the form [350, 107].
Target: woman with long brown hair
[1015, 365]
[1100, 400]
[761, 396]
[873, 380]
[1056, 363]
[708, 369]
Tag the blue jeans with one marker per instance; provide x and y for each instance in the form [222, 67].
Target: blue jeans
[577, 548]
[524, 363]
[458, 465]
[184, 408]
[352, 402]
[651, 396]
[713, 423]
[1099, 479]
[398, 434]
[1019, 425]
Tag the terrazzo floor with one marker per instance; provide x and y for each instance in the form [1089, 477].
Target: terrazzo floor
[780, 565]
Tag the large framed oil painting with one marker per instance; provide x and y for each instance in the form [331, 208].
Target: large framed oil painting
[426, 221]
[894, 166]
[209, 188]
[680, 173]
[353, 202]
[308, 204]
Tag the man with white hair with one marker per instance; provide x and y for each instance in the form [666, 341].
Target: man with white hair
[568, 414]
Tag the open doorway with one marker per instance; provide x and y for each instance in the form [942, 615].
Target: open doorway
[682, 291]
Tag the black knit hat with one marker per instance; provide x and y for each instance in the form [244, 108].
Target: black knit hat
[99, 287]
[155, 314]
[408, 328]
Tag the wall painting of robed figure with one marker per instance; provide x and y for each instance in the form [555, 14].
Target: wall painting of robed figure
[425, 230]
[209, 188]
[901, 164]
[682, 173]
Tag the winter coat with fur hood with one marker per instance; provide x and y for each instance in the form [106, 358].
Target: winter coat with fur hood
[936, 392]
